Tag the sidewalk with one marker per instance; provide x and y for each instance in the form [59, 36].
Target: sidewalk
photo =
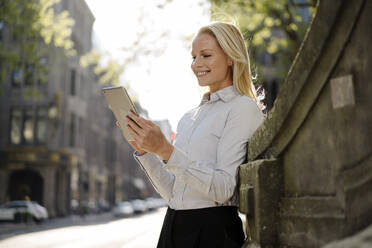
[11, 229]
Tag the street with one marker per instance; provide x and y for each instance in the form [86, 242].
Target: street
[141, 231]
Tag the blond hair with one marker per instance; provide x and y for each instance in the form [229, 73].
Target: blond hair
[231, 41]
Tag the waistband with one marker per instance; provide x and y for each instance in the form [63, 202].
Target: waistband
[218, 210]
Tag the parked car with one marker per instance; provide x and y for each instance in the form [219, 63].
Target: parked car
[104, 206]
[139, 206]
[159, 202]
[123, 209]
[151, 203]
[154, 203]
[23, 211]
[93, 207]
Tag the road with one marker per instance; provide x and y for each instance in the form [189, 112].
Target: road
[141, 231]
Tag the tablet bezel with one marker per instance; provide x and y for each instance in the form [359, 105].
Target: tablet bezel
[124, 103]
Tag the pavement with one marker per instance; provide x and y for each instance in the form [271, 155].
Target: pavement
[8, 229]
[93, 231]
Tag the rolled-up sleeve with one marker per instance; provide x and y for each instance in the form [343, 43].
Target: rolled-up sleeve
[218, 181]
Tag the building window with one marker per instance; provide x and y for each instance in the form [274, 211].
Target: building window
[81, 132]
[17, 76]
[15, 126]
[110, 150]
[81, 86]
[28, 126]
[29, 75]
[41, 125]
[43, 61]
[14, 37]
[72, 130]
[1, 30]
[73, 82]
[42, 75]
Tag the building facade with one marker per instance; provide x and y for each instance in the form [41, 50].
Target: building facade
[63, 149]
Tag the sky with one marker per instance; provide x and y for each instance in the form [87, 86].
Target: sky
[162, 79]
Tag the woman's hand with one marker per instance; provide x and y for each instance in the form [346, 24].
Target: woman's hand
[148, 136]
[133, 144]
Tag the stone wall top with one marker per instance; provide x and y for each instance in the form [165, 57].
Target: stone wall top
[317, 56]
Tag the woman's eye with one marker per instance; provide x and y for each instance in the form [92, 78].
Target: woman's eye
[204, 56]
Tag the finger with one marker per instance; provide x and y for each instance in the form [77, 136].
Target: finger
[133, 144]
[136, 147]
[135, 136]
[149, 123]
[131, 111]
[133, 125]
[139, 120]
[133, 133]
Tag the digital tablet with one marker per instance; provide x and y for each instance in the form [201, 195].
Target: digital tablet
[120, 103]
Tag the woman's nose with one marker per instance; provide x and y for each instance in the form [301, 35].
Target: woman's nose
[196, 62]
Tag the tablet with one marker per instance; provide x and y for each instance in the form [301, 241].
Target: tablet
[119, 102]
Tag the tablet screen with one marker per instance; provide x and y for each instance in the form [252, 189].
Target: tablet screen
[120, 103]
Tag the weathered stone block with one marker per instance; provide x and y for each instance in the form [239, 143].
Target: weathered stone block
[260, 190]
[342, 89]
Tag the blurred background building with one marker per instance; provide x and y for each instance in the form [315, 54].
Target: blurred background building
[59, 145]
[62, 148]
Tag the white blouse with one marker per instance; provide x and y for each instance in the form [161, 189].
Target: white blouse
[210, 144]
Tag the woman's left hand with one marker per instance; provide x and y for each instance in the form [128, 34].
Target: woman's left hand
[148, 136]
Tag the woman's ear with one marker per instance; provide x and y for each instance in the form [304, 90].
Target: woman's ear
[229, 62]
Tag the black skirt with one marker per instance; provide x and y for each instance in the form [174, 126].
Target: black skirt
[214, 227]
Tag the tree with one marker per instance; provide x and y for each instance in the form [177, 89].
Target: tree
[148, 43]
[108, 72]
[273, 27]
[32, 27]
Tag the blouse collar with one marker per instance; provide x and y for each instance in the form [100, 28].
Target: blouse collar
[225, 94]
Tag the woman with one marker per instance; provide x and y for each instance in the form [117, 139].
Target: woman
[198, 174]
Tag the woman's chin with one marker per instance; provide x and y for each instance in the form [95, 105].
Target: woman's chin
[203, 84]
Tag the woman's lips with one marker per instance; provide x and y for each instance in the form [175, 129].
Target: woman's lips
[201, 73]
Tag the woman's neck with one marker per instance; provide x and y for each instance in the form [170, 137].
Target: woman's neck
[219, 87]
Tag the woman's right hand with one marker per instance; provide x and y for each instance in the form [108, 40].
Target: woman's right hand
[133, 143]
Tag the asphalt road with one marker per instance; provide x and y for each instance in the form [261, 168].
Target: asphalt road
[141, 231]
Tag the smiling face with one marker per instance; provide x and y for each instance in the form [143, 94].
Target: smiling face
[210, 64]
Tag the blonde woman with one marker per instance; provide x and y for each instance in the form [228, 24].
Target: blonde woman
[198, 174]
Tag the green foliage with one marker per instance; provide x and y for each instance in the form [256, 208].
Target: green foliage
[29, 28]
[147, 43]
[55, 28]
[109, 72]
[275, 27]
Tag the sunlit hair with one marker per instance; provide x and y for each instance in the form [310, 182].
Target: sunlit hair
[232, 43]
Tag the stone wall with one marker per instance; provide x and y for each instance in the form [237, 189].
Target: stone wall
[318, 135]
